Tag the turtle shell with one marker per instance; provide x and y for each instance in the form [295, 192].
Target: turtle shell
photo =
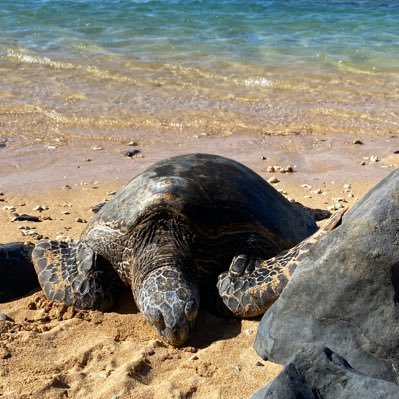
[215, 195]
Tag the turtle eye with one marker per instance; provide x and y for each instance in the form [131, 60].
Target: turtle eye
[191, 310]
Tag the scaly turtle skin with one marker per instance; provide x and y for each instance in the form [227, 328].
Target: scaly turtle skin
[171, 230]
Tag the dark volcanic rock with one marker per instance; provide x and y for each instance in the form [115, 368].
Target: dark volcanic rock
[17, 275]
[26, 218]
[318, 373]
[345, 293]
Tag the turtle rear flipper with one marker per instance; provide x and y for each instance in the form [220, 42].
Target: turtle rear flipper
[72, 273]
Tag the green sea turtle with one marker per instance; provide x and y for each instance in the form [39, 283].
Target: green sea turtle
[173, 229]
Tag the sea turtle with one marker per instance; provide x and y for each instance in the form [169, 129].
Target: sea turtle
[171, 230]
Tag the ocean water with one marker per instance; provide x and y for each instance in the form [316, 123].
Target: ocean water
[210, 66]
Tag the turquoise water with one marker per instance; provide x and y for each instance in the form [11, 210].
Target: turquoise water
[218, 67]
[365, 33]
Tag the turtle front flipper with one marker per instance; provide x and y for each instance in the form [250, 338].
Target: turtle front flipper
[72, 273]
[251, 285]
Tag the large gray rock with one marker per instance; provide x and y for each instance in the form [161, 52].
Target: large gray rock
[345, 294]
[17, 274]
[318, 373]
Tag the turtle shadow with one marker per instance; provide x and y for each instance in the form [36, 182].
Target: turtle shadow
[125, 303]
[210, 328]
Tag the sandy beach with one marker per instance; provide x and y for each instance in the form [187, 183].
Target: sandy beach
[53, 352]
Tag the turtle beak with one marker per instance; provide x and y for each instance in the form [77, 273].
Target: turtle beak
[177, 335]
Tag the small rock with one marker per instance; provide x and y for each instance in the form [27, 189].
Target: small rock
[237, 368]
[273, 180]
[347, 185]
[396, 152]
[271, 169]
[66, 187]
[260, 364]
[9, 208]
[263, 158]
[374, 158]
[25, 218]
[288, 169]
[111, 192]
[194, 357]
[339, 199]
[248, 331]
[317, 191]
[362, 163]
[1, 193]
[190, 349]
[47, 218]
[133, 143]
[5, 317]
[80, 220]
[358, 142]
[132, 153]
[66, 212]
[40, 208]
[95, 148]
[306, 186]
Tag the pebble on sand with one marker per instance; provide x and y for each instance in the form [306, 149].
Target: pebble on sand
[273, 180]
[40, 208]
[358, 142]
[132, 153]
[25, 218]
[280, 169]
[306, 186]
[5, 317]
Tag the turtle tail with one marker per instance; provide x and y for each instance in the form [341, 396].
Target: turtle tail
[251, 292]
[71, 273]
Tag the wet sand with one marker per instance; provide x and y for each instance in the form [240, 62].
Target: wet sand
[51, 354]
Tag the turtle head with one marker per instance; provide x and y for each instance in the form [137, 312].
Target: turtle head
[169, 302]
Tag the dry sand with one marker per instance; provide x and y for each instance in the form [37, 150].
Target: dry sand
[52, 352]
